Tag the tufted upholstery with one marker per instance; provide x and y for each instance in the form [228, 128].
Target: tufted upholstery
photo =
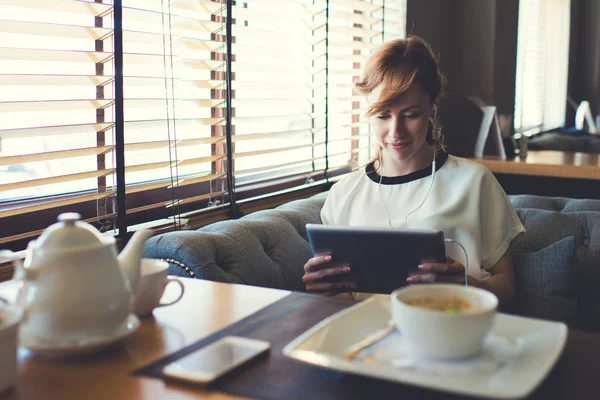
[266, 248]
[269, 248]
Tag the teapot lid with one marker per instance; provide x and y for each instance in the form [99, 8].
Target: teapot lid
[69, 232]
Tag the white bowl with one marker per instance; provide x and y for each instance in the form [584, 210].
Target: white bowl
[439, 334]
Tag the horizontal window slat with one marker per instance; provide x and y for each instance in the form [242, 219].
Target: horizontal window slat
[359, 5]
[140, 13]
[55, 155]
[190, 180]
[277, 166]
[76, 7]
[55, 179]
[359, 58]
[56, 130]
[165, 143]
[285, 117]
[201, 160]
[271, 151]
[281, 52]
[350, 31]
[271, 135]
[167, 183]
[194, 199]
[54, 80]
[343, 16]
[62, 56]
[160, 102]
[295, 9]
[198, 6]
[152, 42]
[155, 59]
[68, 6]
[258, 15]
[16, 210]
[351, 138]
[180, 123]
[144, 81]
[353, 45]
[355, 124]
[55, 105]
[55, 30]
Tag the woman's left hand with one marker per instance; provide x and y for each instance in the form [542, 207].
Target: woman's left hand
[450, 272]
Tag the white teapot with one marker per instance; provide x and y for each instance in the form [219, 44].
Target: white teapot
[73, 284]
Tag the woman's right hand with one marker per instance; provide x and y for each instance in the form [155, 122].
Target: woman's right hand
[318, 277]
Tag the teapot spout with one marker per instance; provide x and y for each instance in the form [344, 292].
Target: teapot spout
[131, 257]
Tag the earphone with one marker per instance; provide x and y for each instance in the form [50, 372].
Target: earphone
[420, 205]
[434, 111]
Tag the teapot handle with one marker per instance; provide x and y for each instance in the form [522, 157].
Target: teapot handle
[6, 256]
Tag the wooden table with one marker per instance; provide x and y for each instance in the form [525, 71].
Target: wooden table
[549, 173]
[547, 163]
[206, 308]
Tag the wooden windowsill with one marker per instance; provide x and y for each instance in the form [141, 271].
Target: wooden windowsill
[556, 164]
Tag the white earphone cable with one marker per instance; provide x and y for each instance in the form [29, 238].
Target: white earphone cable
[466, 259]
[413, 211]
[426, 194]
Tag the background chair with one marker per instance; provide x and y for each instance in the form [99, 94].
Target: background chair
[470, 127]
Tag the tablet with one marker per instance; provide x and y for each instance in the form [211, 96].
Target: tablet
[379, 258]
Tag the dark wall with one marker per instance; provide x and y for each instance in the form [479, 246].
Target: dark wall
[505, 55]
[477, 42]
[431, 19]
[473, 34]
[584, 54]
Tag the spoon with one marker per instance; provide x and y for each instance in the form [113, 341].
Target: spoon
[370, 340]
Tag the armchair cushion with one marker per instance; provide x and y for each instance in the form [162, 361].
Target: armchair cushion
[547, 283]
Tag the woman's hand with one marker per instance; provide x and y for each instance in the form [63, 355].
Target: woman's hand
[323, 278]
[450, 272]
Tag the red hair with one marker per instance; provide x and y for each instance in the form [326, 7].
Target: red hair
[398, 64]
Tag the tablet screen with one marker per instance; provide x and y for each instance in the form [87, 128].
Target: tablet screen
[380, 258]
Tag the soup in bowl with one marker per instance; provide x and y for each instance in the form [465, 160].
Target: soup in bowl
[443, 321]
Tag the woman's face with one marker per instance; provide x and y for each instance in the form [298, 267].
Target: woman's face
[401, 130]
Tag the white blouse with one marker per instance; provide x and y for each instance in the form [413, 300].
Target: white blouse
[466, 202]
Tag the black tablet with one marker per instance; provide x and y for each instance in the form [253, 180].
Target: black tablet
[380, 258]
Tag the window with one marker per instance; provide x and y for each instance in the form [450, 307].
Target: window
[542, 65]
[293, 119]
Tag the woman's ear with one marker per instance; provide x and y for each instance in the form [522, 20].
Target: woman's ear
[435, 106]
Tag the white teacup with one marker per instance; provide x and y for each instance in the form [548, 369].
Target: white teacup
[440, 334]
[153, 281]
[10, 317]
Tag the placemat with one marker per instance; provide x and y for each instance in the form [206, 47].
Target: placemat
[279, 377]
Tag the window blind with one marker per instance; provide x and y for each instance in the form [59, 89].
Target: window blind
[294, 116]
[295, 63]
[57, 139]
[542, 65]
[355, 29]
[56, 99]
[174, 102]
[279, 84]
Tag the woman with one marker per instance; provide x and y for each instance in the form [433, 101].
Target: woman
[413, 183]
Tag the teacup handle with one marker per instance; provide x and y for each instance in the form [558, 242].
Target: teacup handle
[169, 280]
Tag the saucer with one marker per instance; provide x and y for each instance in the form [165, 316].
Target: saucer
[82, 346]
[515, 358]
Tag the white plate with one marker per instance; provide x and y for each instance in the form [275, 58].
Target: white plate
[537, 343]
[82, 346]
